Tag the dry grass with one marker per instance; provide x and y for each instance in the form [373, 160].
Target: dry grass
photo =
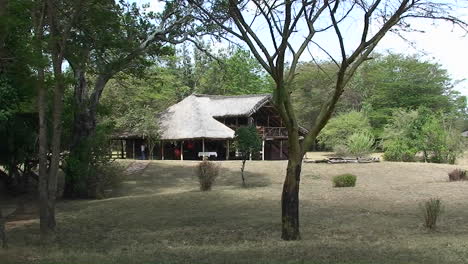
[162, 217]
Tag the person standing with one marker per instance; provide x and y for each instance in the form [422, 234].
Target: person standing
[143, 156]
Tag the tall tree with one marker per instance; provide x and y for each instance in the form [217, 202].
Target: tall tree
[292, 26]
[53, 22]
[398, 81]
[112, 38]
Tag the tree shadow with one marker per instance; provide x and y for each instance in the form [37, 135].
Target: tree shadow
[176, 176]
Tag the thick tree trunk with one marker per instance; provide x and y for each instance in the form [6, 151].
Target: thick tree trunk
[44, 213]
[290, 195]
[290, 201]
[3, 237]
[84, 127]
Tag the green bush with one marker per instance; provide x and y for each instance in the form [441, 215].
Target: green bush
[340, 128]
[421, 131]
[360, 144]
[344, 180]
[458, 175]
[438, 143]
[207, 173]
[89, 169]
[431, 211]
[108, 177]
[399, 150]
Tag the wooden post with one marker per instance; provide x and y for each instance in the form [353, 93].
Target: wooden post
[182, 150]
[133, 148]
[162, 149]
[227, 149]
[122, 148]
[263, 149]
[281, 149]
[203, 149]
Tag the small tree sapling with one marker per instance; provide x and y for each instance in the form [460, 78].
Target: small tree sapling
[247, 141]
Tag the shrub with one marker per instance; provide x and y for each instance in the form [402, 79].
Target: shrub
[458, 175]
[340, 150]
[341, 127]
[344, 180]
[399, 150]
[410, 132]
[432, 210]
[360, 144]
[207, 173]
[106, 177]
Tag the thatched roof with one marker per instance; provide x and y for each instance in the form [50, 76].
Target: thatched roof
[194, 117]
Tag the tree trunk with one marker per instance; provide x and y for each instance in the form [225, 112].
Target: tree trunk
[43, 146]
[2, 231]
[290, 201]
[84, 127]
[242, 170]
[290, 195]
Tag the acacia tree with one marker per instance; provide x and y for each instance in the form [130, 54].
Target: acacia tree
[292, 26]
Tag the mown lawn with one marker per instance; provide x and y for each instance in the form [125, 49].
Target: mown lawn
[160, 216]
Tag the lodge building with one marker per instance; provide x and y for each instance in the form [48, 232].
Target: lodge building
[204, 125]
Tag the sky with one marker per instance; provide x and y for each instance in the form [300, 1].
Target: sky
[441, 43]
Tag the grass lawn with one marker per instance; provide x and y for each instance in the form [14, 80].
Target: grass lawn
[160, 216]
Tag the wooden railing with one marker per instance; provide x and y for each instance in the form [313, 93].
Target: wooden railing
[275, 132]
[270, 132]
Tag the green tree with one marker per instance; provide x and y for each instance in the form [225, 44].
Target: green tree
[247, 141]
[235, 72]
[110, 39]
[399, 81]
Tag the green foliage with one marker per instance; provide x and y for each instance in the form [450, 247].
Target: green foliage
[341, 127]
[431, 211]
[398, 81]
[410, 132]
[360, 144]
[399, 150]
[86, 169]
[207, 173]
[440, 144]
[235, 72]
[312, 86]
[247, 140]
[344, 180]
[380, 86]
[458, 175]
[147, 127]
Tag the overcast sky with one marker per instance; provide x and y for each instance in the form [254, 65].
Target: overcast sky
[441, 43]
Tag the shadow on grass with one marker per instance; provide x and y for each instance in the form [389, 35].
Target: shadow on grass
[178, 176]
[163, 218]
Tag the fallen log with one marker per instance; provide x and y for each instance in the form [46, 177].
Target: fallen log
[337, 160]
